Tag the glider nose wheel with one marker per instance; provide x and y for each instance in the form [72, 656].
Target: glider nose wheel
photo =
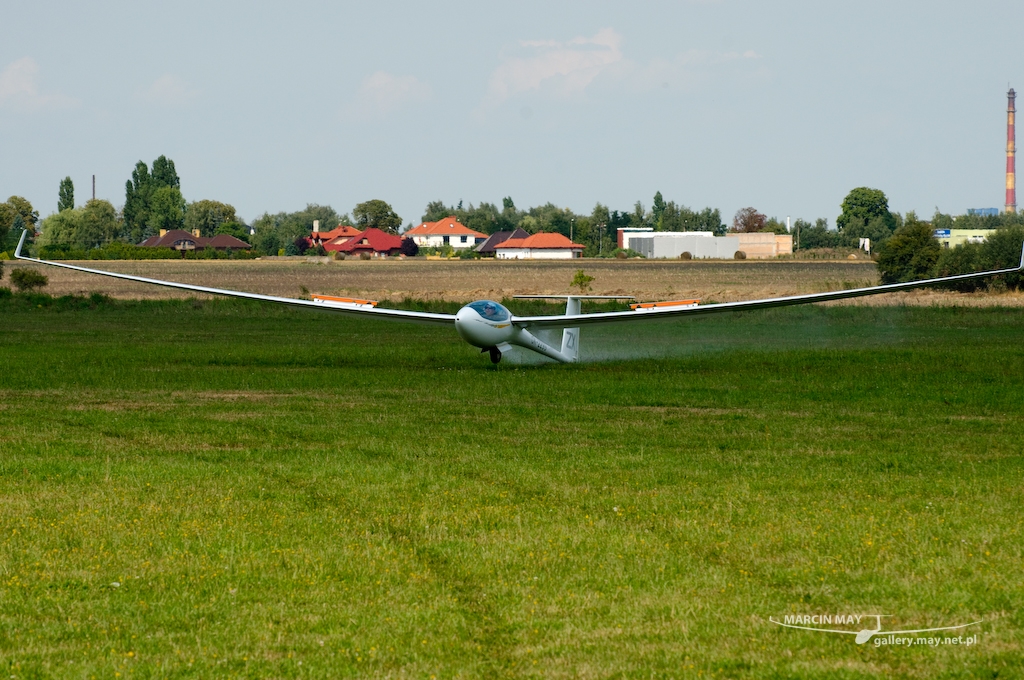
[495, 354]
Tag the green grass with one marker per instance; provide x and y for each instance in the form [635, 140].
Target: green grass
[294, 494]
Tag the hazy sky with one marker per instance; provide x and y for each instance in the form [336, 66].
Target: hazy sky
[784, 106]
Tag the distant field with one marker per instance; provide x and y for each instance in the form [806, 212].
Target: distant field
[470, 280]
[225, 489]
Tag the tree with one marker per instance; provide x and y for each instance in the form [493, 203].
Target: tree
[207, 216]
[153, 201]
[877, 230]
[28, 214]
[61, 229]
[377, 214]
[436, 211]
[66, 197]
[910, 254]
[867, 205]
[137, 192]
[99, 224]
[409, 248]
[657, 210]
[166, 210]
[748, 220]
[164, 174]
[817, 236]
[236, 229]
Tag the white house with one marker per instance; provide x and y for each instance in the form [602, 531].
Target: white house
[446, 232]
[538, 247]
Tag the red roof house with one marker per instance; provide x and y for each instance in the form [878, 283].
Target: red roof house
[373, 241]
[542, 246]
[446, 232]
[330, 240]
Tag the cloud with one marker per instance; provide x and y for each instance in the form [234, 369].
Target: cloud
[566, 68]
[383, 92]
[683, 71]
[19, 91]
[169, 90]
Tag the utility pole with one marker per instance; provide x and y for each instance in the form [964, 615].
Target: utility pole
[94, 187]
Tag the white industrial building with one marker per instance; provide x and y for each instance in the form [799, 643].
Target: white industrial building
[704, 244]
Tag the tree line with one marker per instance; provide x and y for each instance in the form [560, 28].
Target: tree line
[154, 202]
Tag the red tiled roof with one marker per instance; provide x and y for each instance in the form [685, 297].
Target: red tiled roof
[372, 239]
[541, 240]
[448, 225]
[340, 230]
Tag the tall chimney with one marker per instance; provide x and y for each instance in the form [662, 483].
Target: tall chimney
[1011, 150]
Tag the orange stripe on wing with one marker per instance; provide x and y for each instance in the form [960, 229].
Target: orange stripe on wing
[351, 301]
[667, 303]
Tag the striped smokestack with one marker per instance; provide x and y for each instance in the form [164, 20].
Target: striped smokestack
[1011, 150]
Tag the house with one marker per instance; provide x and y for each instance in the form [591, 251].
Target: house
[543, 246]
[332, 240]
[446, 232]
[487, 247]
[181, 240]
[372, 241]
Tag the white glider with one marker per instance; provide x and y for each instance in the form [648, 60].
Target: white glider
[491, 327]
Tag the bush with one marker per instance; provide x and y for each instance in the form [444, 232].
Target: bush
[1001, 250]
[740, 255]
[910, 254]
[409, 248]
[27, 280]
[468, 254]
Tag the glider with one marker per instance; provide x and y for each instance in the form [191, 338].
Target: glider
[491, 327]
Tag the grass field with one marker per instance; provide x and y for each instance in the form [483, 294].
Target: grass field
[200, 489]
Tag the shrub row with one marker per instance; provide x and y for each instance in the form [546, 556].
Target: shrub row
[127, 251]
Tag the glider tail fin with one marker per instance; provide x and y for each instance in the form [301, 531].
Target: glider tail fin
[571, 336]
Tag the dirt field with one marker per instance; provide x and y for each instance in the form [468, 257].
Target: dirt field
[719, 281]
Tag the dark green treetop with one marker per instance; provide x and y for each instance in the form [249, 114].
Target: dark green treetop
[867, 205]
[66, 197]
[376, 214]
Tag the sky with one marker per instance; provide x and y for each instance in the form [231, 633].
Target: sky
[783, 106]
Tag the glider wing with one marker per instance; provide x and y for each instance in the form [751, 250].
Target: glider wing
[341, 305]
[687, 308]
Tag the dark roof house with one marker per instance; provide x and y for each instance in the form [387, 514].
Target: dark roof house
[179, 239]
[498, 237]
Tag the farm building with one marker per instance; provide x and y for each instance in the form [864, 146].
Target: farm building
[372, 241]
[488, 246]
[446, 232]
[703, 244]
[951, 238]
[182, 240]
[543, 246]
